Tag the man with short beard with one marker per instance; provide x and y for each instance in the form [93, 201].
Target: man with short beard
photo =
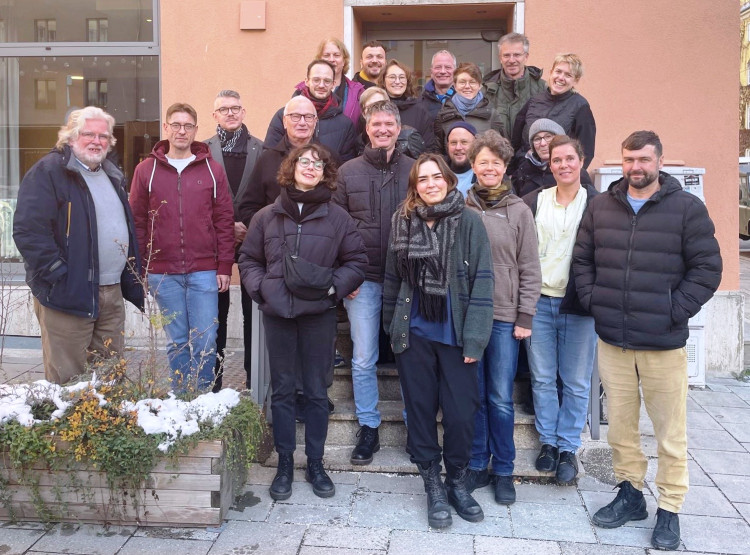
[459, 139]
[645, 261]
[372, 64]
[74, 229]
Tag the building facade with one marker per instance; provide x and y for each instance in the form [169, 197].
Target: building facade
[669, 66]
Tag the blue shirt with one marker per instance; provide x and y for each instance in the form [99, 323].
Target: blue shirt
[440, 332]
[636, 203]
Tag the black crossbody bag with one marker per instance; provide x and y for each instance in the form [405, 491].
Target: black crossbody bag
[304, 279]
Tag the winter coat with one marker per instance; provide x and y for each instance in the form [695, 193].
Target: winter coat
[482, 118]
[414, 114]
[508, 95]
[515, 257]
[430, 100]
[328, 237]
[263, 187]
[54, 227]
[569, 109]
[253, 150]
[348, 93]
[570, 303]
[334, 131]
[370, 188]
[532, 174]
[470, 279]
[642, 276]
[185, 221]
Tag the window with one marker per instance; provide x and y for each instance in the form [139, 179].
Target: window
[46, 94]
[96, 93]
[46, 30]
[97, 29]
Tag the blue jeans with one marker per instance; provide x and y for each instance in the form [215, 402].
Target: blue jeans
[190, 304]
[564, 344]
[493, 422]
[364, 320]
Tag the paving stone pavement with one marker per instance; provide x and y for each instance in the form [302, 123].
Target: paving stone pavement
[386, 514]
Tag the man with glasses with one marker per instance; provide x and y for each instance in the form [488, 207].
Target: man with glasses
[237, 151]
[74, 229]
[335, 130]
[184, 222]
[370, 188]
[511, 86]
[440, 86]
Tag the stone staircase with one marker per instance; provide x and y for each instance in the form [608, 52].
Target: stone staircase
[392, 457]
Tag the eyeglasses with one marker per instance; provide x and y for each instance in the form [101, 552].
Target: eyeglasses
[309, 118]
[224, 110]
[463, 83]
[396, 78]
[89, 136]
[177, 126]
[319, 80]
[305, 163]
[546, 138]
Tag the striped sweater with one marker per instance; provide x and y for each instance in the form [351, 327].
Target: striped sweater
[471, 280]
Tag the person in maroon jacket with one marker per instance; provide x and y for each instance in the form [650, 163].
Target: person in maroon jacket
[184, 224]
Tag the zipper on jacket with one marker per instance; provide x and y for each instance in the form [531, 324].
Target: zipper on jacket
[372, 200]
[94, 245]
[182, 221]
[625, 300]
[67, 227]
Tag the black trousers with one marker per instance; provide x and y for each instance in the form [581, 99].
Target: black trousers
[434, 375]
[305, 339]
[221, 334]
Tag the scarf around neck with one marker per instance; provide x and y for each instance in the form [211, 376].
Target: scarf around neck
[464, 105]
[424, 254]
[291, 197]
[490, 197]
[321, 106]
[233, 141]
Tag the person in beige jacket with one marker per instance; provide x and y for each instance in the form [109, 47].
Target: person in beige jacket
[518, 281]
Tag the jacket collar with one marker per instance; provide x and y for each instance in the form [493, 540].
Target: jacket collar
[70, 164]
[200, 149]
[668, 185]
[377, 157]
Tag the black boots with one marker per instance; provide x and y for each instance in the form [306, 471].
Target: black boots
[281, 487]
[667, 530]
[505, 491]
[476, 479]
[316, 475]
[460, 498]
[367, 444]
[547, 459]
[628, 505]
[438, 510]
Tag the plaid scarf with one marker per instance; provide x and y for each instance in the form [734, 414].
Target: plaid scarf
[423, 254]
[233, 141]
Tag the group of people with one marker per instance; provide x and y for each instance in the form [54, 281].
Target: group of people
[461, 221]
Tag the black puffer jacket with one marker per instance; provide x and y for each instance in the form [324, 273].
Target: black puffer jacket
[414, 114]
[334, 130]
[482, 118]
[569, 109]
[642, 276]
[263, 187]
[54, 227]
[570, 303]
[370, 188]
[328, 237]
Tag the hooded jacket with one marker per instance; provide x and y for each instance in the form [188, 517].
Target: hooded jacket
[54, 227]
[482, 118]
[186, 219]
[328, 237]
[570, 110]
[370, 188]
[515, 257]
[508, 95]
[414, 114]
[334, 131]
[642, 276]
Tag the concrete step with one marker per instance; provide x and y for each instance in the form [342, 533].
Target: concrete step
[395, 460]
[343, 426]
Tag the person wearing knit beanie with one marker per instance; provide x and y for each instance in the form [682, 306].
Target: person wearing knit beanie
[544, 124]
[458, 141]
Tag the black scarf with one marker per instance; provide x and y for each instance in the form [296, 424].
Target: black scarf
[424, 254]
[290, 197]
[233, 143]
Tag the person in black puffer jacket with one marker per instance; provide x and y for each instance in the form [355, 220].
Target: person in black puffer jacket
[398, 81]
[305, 223]
[468, 104]
[562, 104]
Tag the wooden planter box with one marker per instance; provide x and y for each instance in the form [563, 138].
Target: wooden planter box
[196, 490]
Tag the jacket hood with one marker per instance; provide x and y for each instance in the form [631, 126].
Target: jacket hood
[378, 158]
[668, 183]
[199, 148]
[404, 103]
[496, 76]
[534, 159]
[68, 161]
